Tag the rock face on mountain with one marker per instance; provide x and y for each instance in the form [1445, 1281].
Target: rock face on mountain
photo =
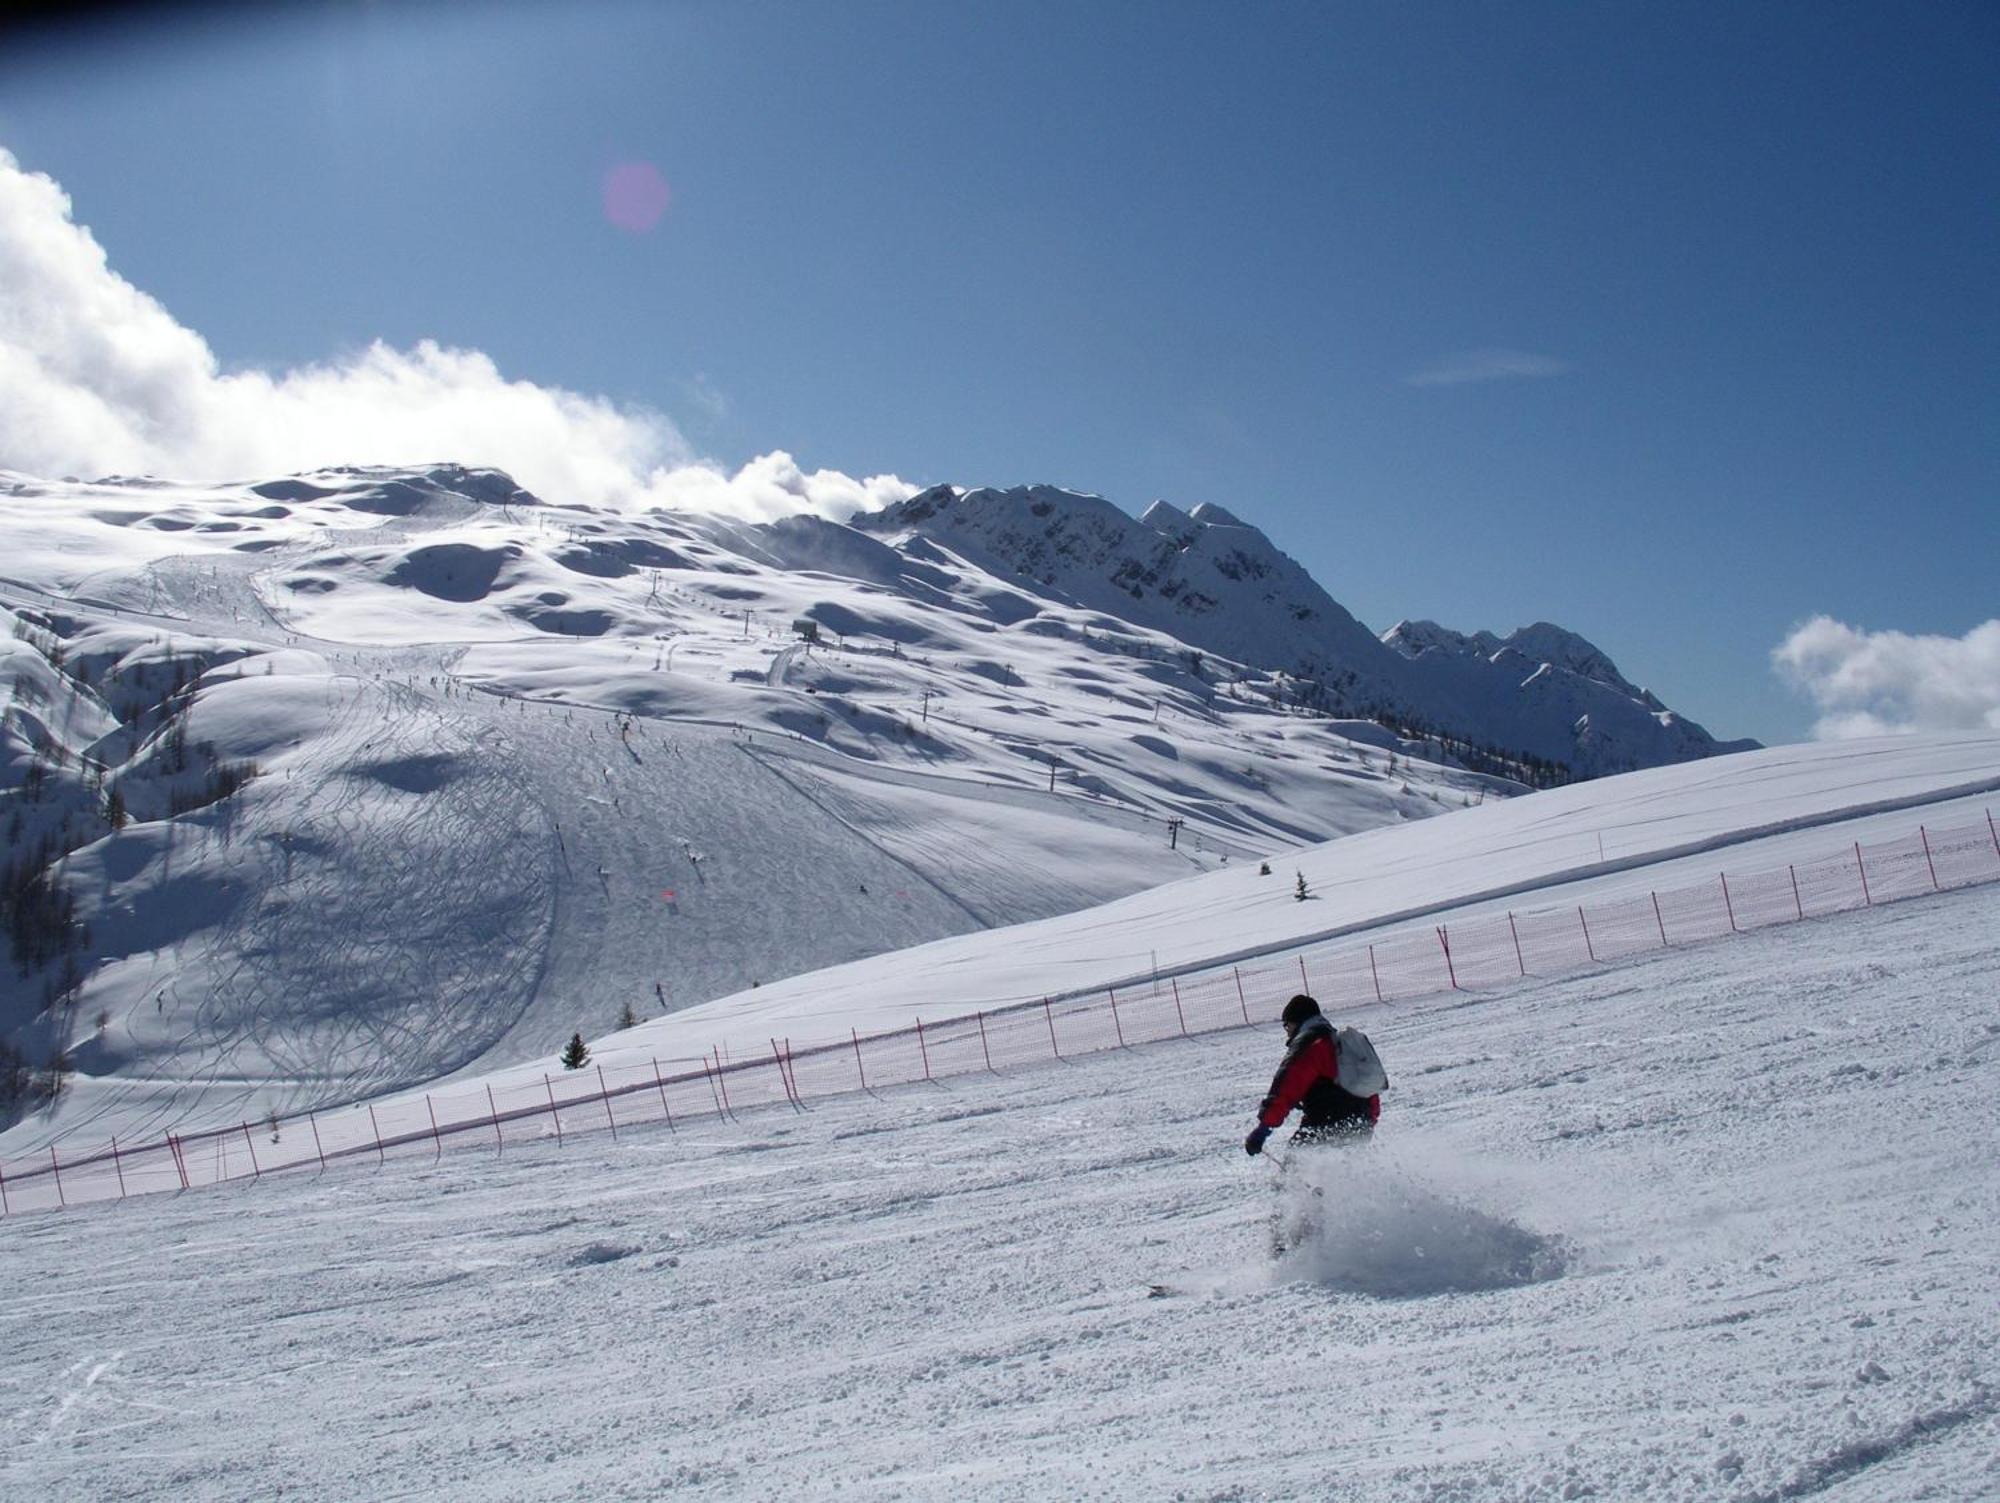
[1221, 586]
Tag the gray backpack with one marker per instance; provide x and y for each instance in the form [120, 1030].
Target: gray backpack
[1359, 1066]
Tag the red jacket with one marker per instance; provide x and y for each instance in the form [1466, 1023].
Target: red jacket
[1309, 1077]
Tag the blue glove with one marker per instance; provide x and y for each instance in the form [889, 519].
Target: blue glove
[1254, 1144]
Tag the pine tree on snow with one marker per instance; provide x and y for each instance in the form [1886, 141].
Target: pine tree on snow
[577, 1054]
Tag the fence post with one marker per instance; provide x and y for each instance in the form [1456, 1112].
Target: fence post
[56, 1164]
[493, 1114]
[180, 1163]
[1992, 832]
[5, 1208]
[792, 1072]
[923, 1049]
[255, 1171]
[1863, 866]
[709, 1076]
[1374, 973]
[1515, 930]
[1116, 1025]
[662, 1085]
[1726, 903]
[381, 1157]
[119, 1166]
[437, 1139]
[1449, 969]
[1049, 1013]
[723, 1084]
[982, 1044]
[604, 1095]
[1177, 1005]
[784, 1078]
[1660, 921]
[1588, 948]
[1925, 836]
[554, 1111]
[1240, 1000]
[860, 1068]
[1797, 902]
[1304, 984]
[317, 1148]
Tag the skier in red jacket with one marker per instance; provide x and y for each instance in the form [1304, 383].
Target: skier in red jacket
[1309, 1080]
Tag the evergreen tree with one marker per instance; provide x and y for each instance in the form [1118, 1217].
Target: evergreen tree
[1302, 892]
[577, 1054]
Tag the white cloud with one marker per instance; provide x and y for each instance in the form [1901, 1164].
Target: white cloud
[1876, 683]
[1486, 365]
[97, 378]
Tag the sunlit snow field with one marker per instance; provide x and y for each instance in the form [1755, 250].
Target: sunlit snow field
[1718, 1223]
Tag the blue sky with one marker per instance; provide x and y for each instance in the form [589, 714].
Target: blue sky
[1675, 325]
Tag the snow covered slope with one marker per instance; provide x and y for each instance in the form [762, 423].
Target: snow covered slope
[322, 786]
[1659, 828]
[1716, 1225]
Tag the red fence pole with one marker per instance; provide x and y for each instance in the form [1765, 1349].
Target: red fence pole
[709, 1076]
[723, 1084]
[1376, 974]
[1925, 836]
[1049, 1013]
[317, 1148]
[56, 1164]
[1863, 866]
[1449, 969]
[1659, 920]
[381, 1157]
[1514, 929]
[923, 1049]
[662, 1085]
[784, 1077]
[255, 1172]
[554, 1111]
[1796, 901]
[1177, 1005]
[118, 1166]
[1120, 1027]
[982, 1043]
[859, 1067]
[604, 1094]
[1241, 1001]
[1727, 904]
[1588, 948]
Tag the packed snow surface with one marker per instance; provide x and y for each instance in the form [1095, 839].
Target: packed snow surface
[1716, 1224]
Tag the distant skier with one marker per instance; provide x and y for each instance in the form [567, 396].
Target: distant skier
[1309, 1079]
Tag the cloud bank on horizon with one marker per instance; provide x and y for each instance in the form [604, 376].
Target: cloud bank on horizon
[97, 378]
[1875, 683]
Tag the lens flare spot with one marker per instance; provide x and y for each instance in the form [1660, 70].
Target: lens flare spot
[635, 196]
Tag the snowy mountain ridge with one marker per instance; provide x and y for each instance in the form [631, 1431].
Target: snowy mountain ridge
[1221, 586]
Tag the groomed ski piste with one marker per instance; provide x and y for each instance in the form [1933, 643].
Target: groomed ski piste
[1710, 1222]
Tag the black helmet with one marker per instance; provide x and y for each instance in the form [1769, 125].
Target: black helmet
[1298, 1010]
